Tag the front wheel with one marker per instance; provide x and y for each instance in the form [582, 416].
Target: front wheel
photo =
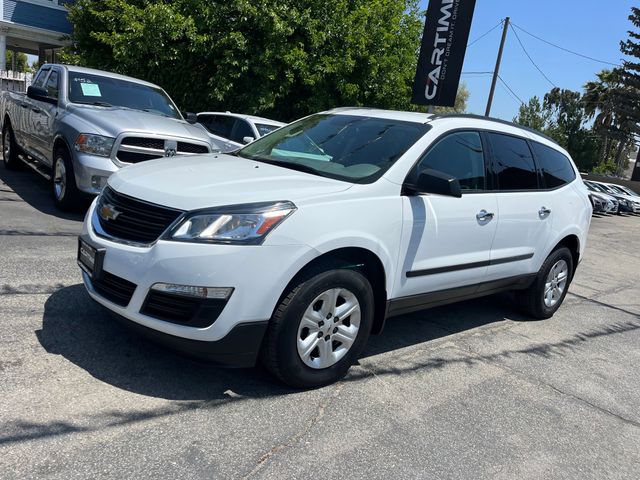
[66, 195]
[544, 297]
[319, 328]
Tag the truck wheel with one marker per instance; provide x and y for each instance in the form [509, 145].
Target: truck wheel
[10, 149]
[319, 328]
[66, 195]
[544, 297]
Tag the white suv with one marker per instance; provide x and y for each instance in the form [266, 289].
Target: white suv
[301, 244]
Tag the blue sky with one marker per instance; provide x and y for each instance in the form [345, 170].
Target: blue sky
[591, 27]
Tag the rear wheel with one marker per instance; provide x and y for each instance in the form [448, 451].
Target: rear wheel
[543, 298]
[65, 193]
[319, 328]
[10, 150]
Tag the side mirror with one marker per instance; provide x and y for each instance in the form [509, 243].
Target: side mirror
[247, 140]
[435, 182]
[41, 94]
[190, 117]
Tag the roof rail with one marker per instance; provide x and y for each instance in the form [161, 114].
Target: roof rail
[495, 120]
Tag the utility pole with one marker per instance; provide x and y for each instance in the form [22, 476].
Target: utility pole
[496, 71]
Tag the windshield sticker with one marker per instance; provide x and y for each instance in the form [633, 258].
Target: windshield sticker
[90, 89]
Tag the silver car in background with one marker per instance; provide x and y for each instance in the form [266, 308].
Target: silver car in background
[76, 126]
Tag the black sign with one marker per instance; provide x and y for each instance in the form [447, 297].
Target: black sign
[444, 43]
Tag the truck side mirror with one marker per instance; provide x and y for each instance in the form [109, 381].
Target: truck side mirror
[190, 117]
[40, 94]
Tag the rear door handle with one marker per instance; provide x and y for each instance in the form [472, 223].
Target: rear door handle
[23, 105]
[37, 110]
[544, 211]
[483, 215]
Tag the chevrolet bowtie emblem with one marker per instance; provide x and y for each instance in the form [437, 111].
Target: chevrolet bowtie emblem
[108, 212]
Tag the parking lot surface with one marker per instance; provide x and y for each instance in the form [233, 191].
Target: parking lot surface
[467, 391]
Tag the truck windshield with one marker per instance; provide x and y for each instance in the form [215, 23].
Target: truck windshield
[104, 91]
[353, 148]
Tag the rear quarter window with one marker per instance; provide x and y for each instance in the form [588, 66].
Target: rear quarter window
[555, 166]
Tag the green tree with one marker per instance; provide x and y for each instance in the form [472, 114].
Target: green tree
[22, 62]
[460, 105]
[532, 115]
[562, 117]
[284, 59]
[605, 100]
[631, 77]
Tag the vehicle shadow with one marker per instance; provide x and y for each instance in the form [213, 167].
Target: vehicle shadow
[35, 191]
[83, 332]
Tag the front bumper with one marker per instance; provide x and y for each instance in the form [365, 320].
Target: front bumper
[239, 348]
[258, 275]
[86, 166]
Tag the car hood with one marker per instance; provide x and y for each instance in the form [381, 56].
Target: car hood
[112, 121]
[603, 196]
[203, 181]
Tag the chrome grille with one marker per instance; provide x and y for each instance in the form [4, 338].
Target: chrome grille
[140, 149]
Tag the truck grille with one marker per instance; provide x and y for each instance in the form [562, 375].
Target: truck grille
[135, 220]
[140, 149]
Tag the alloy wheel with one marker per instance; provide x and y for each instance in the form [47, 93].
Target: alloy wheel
[556, 283]
[59, 179]
[328, 328]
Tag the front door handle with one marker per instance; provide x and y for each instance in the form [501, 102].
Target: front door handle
[483, 215]
[36, 110]
[544, 211]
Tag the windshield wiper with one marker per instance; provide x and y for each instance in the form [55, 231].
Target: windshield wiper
[292, 165]
[97, 103]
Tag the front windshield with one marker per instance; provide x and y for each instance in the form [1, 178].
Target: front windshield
[104, 91]
[345, 147]
[628, 191]
[264, 128]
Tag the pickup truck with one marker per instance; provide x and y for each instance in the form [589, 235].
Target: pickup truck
[75, 126]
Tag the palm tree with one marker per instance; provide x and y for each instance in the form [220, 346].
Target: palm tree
[605, 100]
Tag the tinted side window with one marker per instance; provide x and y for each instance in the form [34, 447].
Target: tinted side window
[39, 80]
[52, 84]
[460, 155]
[513, 163]
[556, 168]
[217, 124]
[241, 130]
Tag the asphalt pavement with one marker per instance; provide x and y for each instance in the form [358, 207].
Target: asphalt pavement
[468, 391]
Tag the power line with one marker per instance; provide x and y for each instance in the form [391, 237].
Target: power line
[509, 88]
[477, 73]
[565, 49]
[531, 59]
[509, 94]
[485, 34]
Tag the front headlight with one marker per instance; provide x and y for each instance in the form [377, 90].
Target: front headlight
[94, 144]
[239, 224]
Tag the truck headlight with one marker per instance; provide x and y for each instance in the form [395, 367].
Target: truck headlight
[94, 144]
[238, 224]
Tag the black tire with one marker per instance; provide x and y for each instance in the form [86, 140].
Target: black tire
[280, 351]
[532, 300]
[11, 161]
[67, 198]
